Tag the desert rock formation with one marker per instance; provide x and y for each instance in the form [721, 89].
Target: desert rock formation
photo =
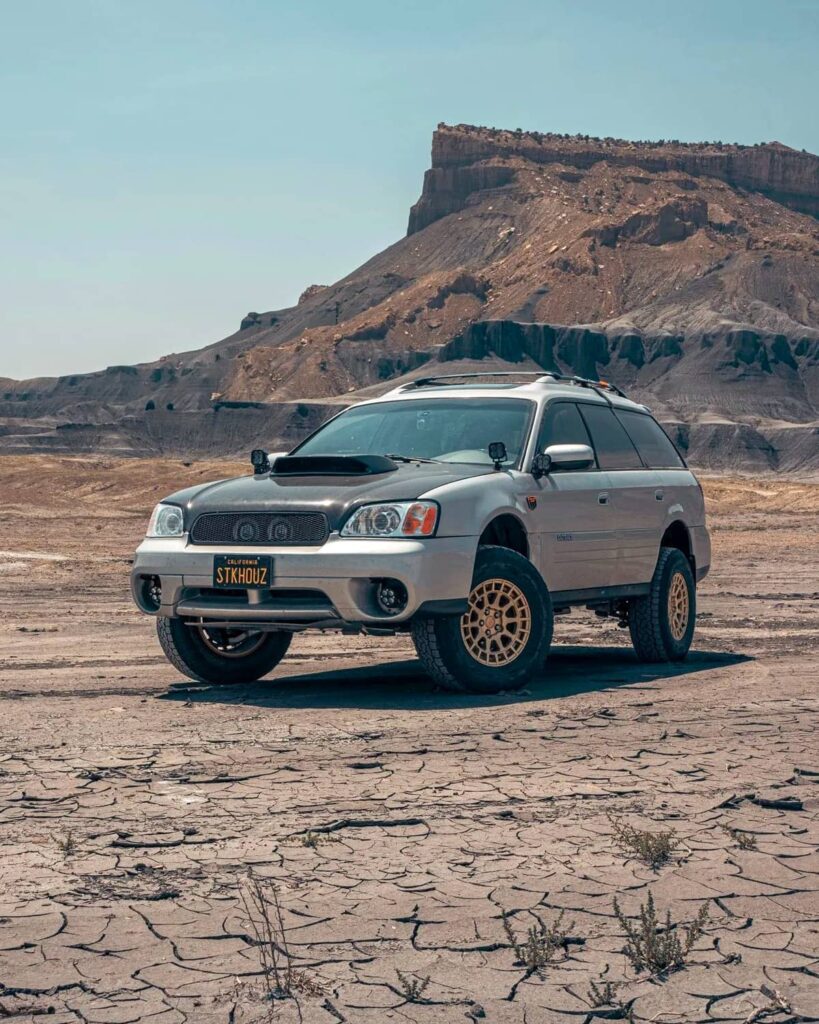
[686, 274]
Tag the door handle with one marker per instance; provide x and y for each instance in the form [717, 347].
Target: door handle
[659, 495]
[603, 499]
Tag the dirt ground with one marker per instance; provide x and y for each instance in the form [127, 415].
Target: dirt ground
[410, 833]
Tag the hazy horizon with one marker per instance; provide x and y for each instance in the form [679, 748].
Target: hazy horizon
[165, 171]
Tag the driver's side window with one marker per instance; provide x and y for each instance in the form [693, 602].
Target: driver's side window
[562, 424]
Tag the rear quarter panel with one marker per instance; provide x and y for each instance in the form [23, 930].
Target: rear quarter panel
[683, 496]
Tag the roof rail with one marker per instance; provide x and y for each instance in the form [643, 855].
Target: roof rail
[583, 382]
[441, 380]
[537, 377]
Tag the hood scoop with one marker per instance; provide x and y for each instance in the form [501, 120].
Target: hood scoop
[332, 465]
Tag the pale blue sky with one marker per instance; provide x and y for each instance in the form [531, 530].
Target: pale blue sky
[167, 166]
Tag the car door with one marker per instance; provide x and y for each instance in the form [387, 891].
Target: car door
[573, 515]
[673, 486]
[633, 501]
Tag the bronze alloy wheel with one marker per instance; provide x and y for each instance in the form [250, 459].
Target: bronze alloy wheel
[232, 643]
[678, 606]
[662, 621]
[502, 640]
[496, 626]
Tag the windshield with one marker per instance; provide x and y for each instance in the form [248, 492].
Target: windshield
[446, 430]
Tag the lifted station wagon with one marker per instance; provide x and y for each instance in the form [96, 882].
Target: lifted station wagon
[464, 510]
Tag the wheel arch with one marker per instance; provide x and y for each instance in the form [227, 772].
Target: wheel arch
[677, 535]
[505, 530]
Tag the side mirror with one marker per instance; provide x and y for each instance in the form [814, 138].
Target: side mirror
[569, 456]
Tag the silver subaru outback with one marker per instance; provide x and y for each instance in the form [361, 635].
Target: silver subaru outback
[464, 510]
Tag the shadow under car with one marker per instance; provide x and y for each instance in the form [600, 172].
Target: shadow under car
[402, 685]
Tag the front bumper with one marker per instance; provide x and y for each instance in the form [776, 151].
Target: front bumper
[333, 583]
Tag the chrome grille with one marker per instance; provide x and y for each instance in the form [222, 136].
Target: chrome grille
[277, 529]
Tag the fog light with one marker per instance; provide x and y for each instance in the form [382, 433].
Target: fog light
[391, 596]
[151, 593]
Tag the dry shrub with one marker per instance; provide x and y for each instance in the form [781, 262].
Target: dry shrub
[744, 840]
[312, 839]
[67, 844]
[658, 948]
[604, 996]
[412, 988]
[280, 980]
[652, 848]
[541, 944]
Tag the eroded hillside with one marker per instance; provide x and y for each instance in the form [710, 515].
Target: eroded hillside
[688, 275]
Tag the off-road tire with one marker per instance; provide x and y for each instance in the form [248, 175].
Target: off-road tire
[648, 617]
[441, 646]
[187, 651]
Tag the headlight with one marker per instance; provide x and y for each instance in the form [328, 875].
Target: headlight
[393, 519]
[166, 521]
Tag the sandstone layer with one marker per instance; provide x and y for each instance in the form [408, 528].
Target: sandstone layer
[686, 274]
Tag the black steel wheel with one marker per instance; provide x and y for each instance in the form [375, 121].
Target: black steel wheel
[219, 655]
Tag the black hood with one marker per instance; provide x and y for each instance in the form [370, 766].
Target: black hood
[333, 495]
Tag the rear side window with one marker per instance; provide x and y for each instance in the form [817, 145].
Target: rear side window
[562, 424]
[611, 442]
[651, 441]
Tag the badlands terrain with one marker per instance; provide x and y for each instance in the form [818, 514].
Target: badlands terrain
[688, 274]
[413, 837]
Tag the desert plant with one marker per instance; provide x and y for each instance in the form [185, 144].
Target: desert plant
[312, 839]
[67, 844]
[601, 995]
[652, 848]
[658, 948]
[260, 900]
[605, 995]
[541, 943]
[412, 988]
[744, 840]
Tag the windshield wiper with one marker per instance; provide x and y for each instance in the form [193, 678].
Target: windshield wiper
[407, 458]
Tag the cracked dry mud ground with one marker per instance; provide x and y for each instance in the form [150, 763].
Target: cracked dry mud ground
[400, 823]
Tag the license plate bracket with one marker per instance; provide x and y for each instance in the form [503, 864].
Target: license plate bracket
[242, 572]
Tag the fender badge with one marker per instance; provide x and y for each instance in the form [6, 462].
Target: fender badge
[531, 501]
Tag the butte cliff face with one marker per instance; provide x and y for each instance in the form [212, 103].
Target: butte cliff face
[466, 160]
[688, 275]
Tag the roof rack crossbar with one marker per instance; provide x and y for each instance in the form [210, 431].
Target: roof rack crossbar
[538, 377]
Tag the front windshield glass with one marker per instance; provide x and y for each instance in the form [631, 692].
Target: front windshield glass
[443, 429]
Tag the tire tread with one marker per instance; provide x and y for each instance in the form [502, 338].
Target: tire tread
[168, 645]
[428, 649]
[645, 615]
[210, 670]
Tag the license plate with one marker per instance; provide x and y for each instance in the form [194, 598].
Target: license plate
[243, 572]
